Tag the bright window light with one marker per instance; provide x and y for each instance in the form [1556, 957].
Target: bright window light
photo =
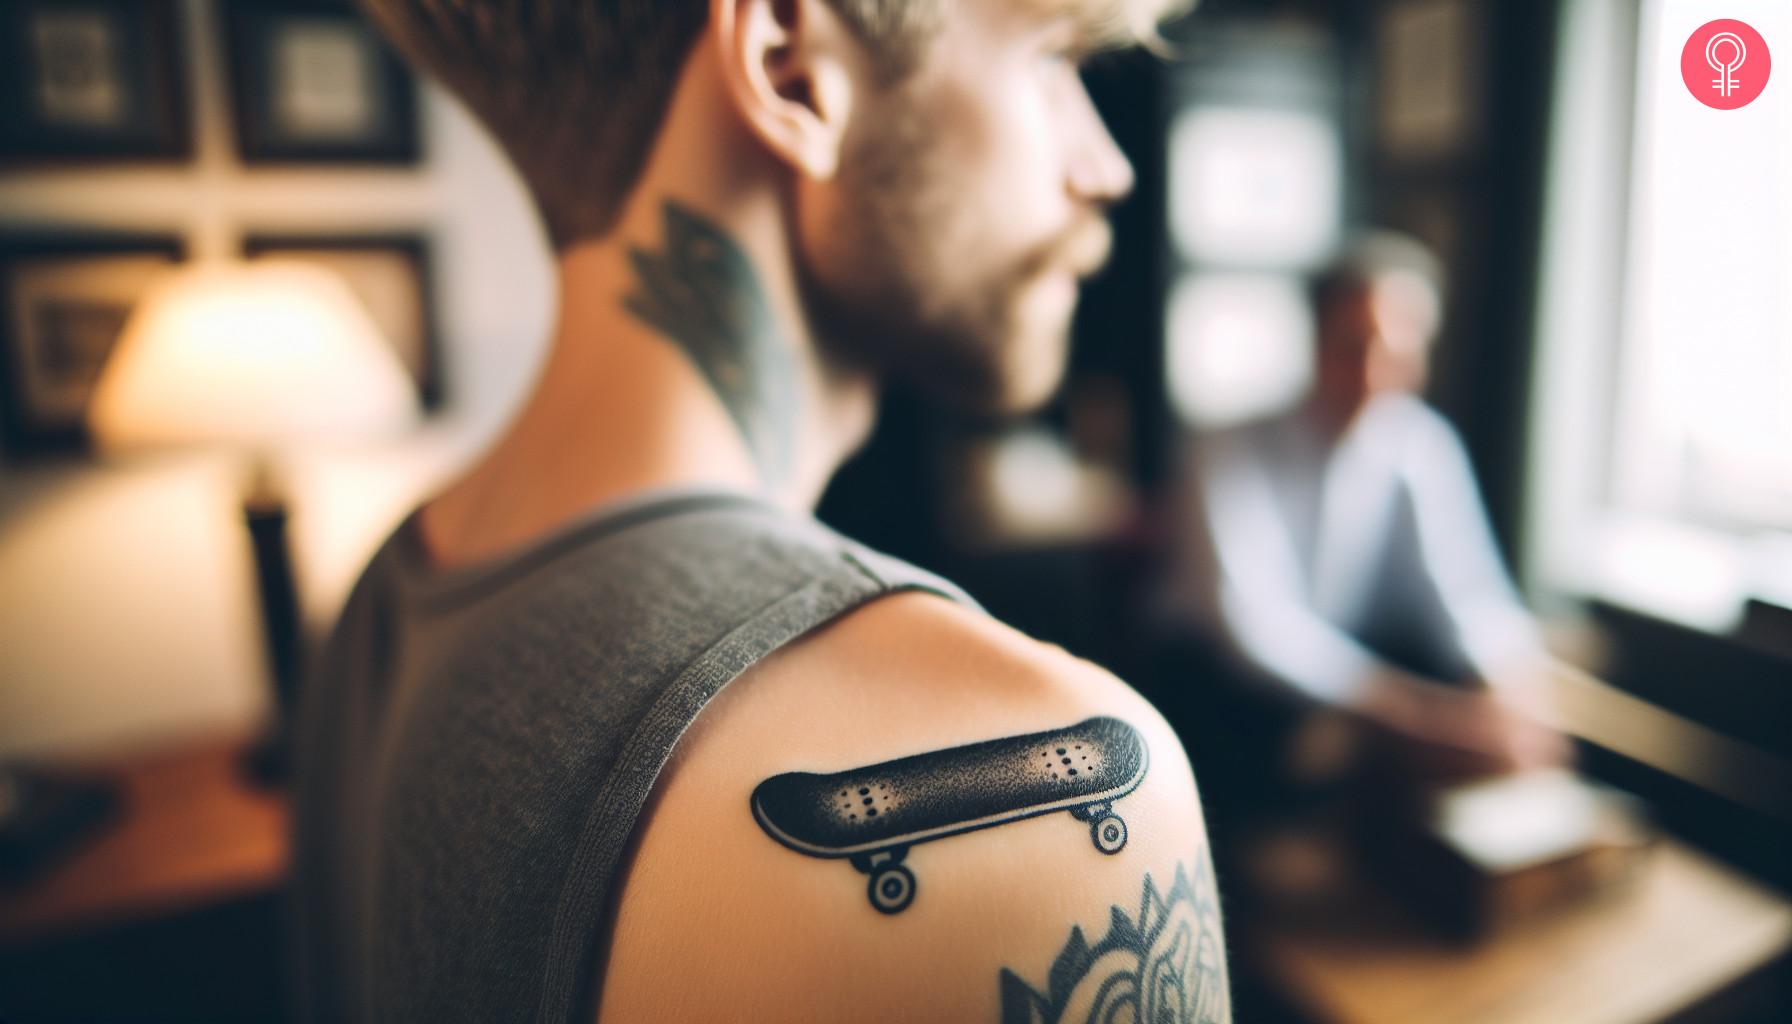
[1240, 346]
[1661, 450]
[1704, 417]
[1254, 187]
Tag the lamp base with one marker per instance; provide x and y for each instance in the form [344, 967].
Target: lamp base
[265, 516]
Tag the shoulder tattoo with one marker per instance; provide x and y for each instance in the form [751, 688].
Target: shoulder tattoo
[1164, 965]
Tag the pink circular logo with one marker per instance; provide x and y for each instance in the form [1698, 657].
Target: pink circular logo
[1725, 64]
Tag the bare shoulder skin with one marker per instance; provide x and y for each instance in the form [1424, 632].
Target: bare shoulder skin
[1022, 918]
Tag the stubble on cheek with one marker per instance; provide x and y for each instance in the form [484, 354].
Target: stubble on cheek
[942, 237]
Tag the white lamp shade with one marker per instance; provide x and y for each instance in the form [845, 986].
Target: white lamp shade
[255, 355]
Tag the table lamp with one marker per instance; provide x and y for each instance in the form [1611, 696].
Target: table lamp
[258, 358]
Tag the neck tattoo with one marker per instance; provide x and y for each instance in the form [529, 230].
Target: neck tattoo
[701, 293]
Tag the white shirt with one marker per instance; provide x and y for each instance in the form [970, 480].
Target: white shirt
[1308, 560]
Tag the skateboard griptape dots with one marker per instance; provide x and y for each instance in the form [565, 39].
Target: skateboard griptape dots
[873, 814]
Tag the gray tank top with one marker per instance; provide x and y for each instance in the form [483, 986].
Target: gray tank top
[476, 745]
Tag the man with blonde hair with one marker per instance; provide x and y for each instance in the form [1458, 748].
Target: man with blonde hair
[611, 728]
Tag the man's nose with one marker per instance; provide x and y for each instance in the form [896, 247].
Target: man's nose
[1099, 171]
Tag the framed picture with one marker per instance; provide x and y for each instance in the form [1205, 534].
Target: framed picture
[63, 306]
[100, 79]
[1428, 79]
[311, 81]
[390, 274]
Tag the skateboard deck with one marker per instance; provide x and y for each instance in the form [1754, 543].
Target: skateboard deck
[875, 813]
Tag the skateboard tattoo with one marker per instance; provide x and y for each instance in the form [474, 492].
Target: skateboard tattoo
[872, 815]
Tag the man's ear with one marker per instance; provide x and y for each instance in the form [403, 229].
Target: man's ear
[793, 70]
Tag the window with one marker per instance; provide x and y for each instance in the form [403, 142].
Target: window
[1704, 419]
[1662, 424]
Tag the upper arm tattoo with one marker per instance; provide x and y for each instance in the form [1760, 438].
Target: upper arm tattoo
[702, 293]
[1167, 965]
[873, 814]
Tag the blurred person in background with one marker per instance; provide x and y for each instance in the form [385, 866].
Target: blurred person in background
[517, 797]
[1340, 556]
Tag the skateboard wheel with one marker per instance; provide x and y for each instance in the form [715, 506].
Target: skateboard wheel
[1109, 833]
[892, 888]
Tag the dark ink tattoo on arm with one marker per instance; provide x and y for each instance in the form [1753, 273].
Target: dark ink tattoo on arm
[1165, 965]
[702, 293]
[872, 815]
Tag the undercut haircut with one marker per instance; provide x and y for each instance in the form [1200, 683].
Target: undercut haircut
[575, 90]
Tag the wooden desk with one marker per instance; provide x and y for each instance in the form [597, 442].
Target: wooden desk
[1689, 928]
[190, 834]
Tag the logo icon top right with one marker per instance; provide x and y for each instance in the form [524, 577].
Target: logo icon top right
[1725, 64]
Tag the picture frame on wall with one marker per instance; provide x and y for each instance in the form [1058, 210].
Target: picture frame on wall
[64, 302]
[98, 80]
[391, 274]
[1429, 79]
[313, 82]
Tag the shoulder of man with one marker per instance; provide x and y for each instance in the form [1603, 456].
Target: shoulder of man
[1424, 438]
[993, 888]
[1417, 417]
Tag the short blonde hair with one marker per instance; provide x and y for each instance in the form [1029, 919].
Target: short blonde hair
[575, 90]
